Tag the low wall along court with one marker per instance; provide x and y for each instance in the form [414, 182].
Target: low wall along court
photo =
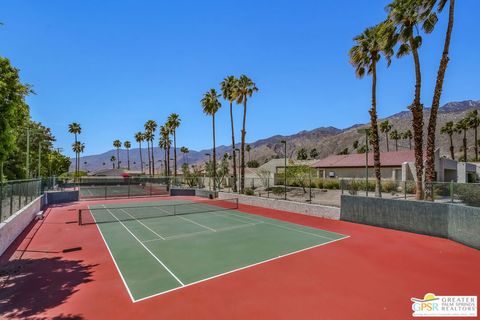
[452, 221]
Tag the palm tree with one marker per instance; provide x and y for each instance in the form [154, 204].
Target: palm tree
[78, 148]
[117, 144]
[462, 126]
[248, 148]
[449, 128]
[139, 138]
[173, 123]
[474, 122]
[210, 106]
[185, 151]
[244, 89]
[149, 136]
[150, 127]
[229, 89]
[166, 144]
[385, 127]
[364, 56]
[127, 146]
[394, 135]
[406, 15]
[76, 129]
[428, 25]
[113, 159]
[408, 135]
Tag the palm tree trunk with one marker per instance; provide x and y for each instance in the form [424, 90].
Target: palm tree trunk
[214, 156]
[396, 144]
[417, 123]
[118, 158]
[141, 160]
[77, 160]
[410, 143]
[374, 138]
[168, 161]
[452, 153]
[242, 156]
[233, 151]
[432, 123]
[465, 145]
[386, 136]
[175, 153]
[148, 151]
[153, 161]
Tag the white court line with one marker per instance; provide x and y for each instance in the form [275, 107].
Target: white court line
[191, 234]
[198, 224]
[153, 231]
[111, 255]
[238, 269]
[146, 248]
[286, 228]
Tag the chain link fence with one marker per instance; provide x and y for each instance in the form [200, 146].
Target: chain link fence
[14, 195]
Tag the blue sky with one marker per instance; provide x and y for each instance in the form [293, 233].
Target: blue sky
[112, 65]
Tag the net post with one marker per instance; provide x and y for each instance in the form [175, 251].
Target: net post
[79, 217]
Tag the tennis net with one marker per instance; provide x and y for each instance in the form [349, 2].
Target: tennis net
[140, 211]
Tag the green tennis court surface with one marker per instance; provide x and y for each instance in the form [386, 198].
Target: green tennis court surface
[161, 246]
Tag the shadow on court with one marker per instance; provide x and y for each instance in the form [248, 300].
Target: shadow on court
[31, 286]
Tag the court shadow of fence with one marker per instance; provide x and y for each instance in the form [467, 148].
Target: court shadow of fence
[31, 286]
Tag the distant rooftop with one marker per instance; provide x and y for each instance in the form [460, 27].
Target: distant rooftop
[387, 159]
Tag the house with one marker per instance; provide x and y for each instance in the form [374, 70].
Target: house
[395, 165]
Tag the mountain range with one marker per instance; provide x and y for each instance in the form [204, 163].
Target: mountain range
[326, 140]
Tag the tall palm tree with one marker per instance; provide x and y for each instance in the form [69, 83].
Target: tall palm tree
[394, 135]
[117, 144]
[364, 56]
[185, 152]
[462, 126]
[127, 146]
[139, 138]
[113, 159]
[385, 127]
[407, 15]
[166, 143]
[76, 129]
[449, 128]
[428, 25]
[150, 127]
[408, 135]
[474, 122]
[210, 105]
[149, 136]
[229, 89]
[248, 148]
[245, 88]
[173, 123]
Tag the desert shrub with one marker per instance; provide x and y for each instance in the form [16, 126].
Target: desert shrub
[410, 187]
[331, 184]
[277, 190]
[389, 186]
[468, 193]
[249, 191]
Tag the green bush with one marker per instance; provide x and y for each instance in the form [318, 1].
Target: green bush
[277, 190]
[468, 193]
[389, 186]
[249, 191]
[331, 184]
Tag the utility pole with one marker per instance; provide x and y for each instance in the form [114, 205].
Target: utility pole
[28, 153]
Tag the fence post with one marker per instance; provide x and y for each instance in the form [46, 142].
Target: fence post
[1, 200]
[451, 191]
[268, 186]
[405, 189]
[310, 185]
[341, 185]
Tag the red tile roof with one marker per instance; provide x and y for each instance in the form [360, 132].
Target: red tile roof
[387, 159]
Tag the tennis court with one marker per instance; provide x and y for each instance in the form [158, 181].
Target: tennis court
[165, 245]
